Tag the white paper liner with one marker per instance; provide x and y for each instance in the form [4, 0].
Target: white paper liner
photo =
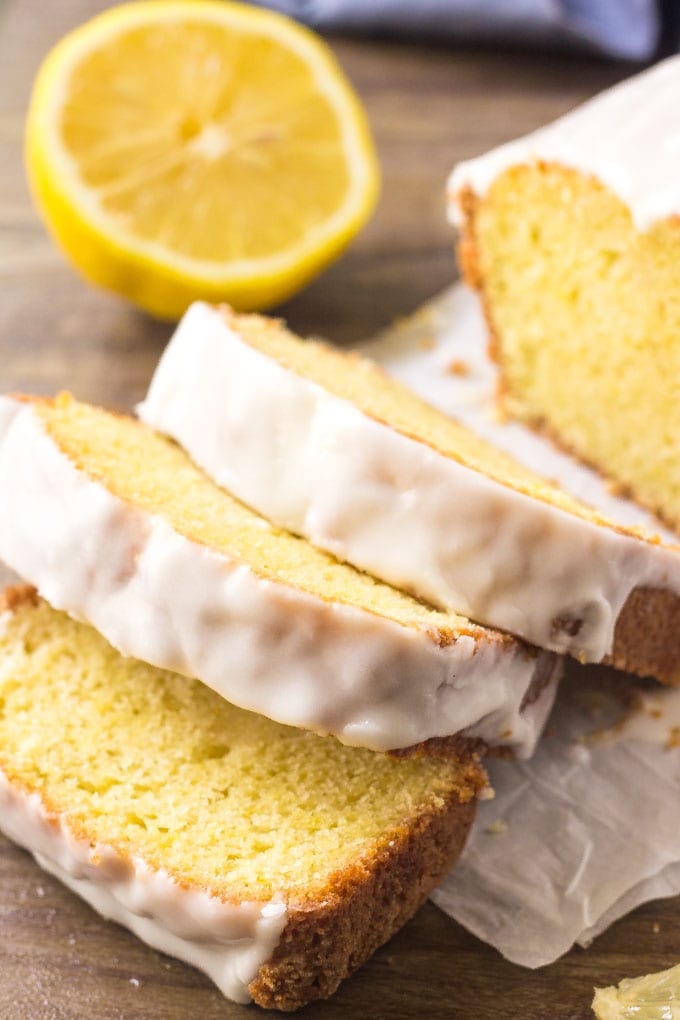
[574, 839]
[587, 829]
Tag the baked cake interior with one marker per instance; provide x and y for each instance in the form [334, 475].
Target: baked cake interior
[584, 311]
[158, 766]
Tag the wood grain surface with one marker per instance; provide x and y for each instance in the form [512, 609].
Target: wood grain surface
[429, 106]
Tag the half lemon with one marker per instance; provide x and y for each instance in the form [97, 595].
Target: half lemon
[184, 149]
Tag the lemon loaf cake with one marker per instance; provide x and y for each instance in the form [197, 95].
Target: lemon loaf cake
[572, 237]
[273, 859]
[114, 524]
[325, 444]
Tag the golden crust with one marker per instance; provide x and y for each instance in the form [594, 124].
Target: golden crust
[454, 746]
[16, 595]
[647, 635]
[326, 941]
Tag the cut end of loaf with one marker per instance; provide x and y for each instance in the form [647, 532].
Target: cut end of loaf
[584, 314]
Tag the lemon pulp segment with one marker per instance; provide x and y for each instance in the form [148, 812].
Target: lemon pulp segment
[650, 997]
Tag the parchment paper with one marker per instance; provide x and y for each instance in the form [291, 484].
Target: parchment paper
[590, 827]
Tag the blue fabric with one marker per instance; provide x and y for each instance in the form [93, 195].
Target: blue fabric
[621, 28]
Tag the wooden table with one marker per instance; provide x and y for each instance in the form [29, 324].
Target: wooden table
[429, 107]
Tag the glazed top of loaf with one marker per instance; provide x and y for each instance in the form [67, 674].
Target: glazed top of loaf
[628, 137]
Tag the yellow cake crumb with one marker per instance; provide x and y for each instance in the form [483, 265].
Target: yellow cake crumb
[584, 312]
[158, 765]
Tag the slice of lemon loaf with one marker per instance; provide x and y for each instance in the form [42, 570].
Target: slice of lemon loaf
[325, 444]
[572, 236]
[114, 524]
[275, 860]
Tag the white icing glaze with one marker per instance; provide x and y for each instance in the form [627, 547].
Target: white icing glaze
[264, 646]
[391, 505]
[628, 137]
[228, 941]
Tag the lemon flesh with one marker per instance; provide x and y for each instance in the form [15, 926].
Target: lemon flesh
[652, 997]
[184, 150]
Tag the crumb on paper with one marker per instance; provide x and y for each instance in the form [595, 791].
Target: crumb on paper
[497, 828]
[458, 367]
[422, 315]
[673, 738]
[656, 927]
[426, 343]
[135, 982]
[39, 891]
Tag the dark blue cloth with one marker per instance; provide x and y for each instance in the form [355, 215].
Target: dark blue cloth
[629, 29]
